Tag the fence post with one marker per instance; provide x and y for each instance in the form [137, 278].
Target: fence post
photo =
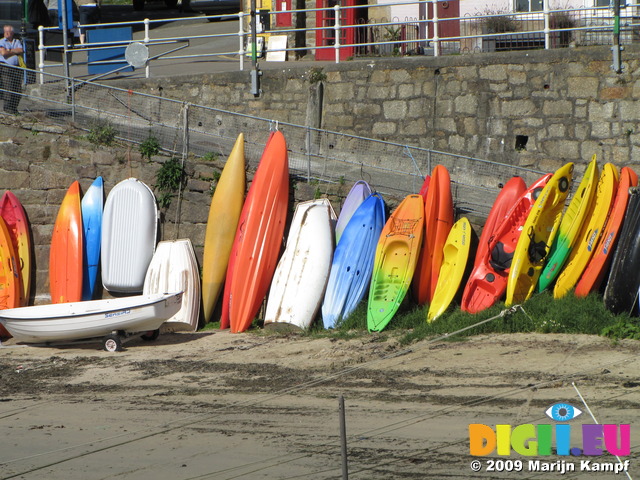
[336, 28]
[147, 71]
[241, 51]
[343, 439]
[436, 38]
[41, 53]
[73, 98]
[547, 25]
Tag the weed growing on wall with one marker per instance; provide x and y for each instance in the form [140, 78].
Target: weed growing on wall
[102, 133]
[169, 179]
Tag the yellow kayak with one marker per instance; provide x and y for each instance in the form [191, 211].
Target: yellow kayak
[590, 233]
[570, 226]
[537, 235]
[224, 213]
[454, 265]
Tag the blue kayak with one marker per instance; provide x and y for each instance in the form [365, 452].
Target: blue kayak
[353, 261]
[91, 207]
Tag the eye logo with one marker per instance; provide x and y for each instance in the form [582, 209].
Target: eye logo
[562, 412]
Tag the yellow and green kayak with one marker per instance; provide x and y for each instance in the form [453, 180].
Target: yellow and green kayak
[570, 226]
[537, 235]
[395, 261]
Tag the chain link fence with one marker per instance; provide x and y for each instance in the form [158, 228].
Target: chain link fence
[316, 155]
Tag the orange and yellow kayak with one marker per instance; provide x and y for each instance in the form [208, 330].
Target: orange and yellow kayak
[598, 266]
[9, 274]
[15, 217]
[65, 256]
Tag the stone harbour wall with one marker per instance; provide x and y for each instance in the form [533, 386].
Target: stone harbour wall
[526, 108]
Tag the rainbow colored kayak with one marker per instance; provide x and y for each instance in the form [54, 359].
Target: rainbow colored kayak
[395, 262]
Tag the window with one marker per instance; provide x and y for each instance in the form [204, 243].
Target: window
[530, 5]
[602, 3]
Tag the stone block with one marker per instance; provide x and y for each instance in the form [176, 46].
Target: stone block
[557, 108]
[466, 104]
[567, 150]
[495, 72]
[394, 109]
[582, 87]
[601, 112]
[518, 108]
[384, 128]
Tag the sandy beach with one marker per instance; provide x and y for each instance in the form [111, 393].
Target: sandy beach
[213, 405]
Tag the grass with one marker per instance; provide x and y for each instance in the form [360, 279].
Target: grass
[541, 314]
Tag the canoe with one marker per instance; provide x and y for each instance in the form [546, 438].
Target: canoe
[438, 220]
[538, 233]
[456, 254]
[10, 294]
[224, 212]
[15, 217]
[488, 280]
[259, 234]
[570, 226]
[506, 199]
[129, 230]
[95, 318]
[353, 261]
[395, 261]
[303, 270]
[67, 250]
[91, 207]
[621, 292]
[174, 268]
[358, 194]
[590, 233]
[598, 267]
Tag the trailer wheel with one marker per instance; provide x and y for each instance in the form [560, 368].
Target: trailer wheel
[151, 336]
[112, 343]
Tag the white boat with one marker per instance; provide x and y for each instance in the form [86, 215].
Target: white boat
[96, 318]
[129, 230]
[174, 268]
[301, 275]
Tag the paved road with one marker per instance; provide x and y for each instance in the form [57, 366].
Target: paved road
[171, 23]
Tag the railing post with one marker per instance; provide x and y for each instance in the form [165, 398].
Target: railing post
[336, 29]
[147, 72]
[547, 25]
[41, 53]
[436, 37]
[241, 51]
[73, 99]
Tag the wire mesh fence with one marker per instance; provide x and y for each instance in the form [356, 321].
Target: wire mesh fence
[317, 155]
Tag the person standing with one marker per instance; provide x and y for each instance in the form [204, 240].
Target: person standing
[10, 50]
[89, 13]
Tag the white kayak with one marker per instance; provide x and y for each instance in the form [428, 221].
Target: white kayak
[96, 318]
[174, 268]
[301, 275]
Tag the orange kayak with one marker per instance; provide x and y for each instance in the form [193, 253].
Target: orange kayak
[65, 256]
[597, 268]
[9, 274]
[13, 214]
[259, 234]
[438, 220]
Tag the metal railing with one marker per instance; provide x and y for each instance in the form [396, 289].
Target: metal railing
[373, 34]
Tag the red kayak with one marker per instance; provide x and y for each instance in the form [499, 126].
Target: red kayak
[488, 281]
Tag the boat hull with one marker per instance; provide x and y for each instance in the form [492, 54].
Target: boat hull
[129, 230]
[358, 194]
[303, 270]
[79, 320]
[91, 206]
[174, 268]
[12, 212]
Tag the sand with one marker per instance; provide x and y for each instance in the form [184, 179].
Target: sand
[214, 405]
